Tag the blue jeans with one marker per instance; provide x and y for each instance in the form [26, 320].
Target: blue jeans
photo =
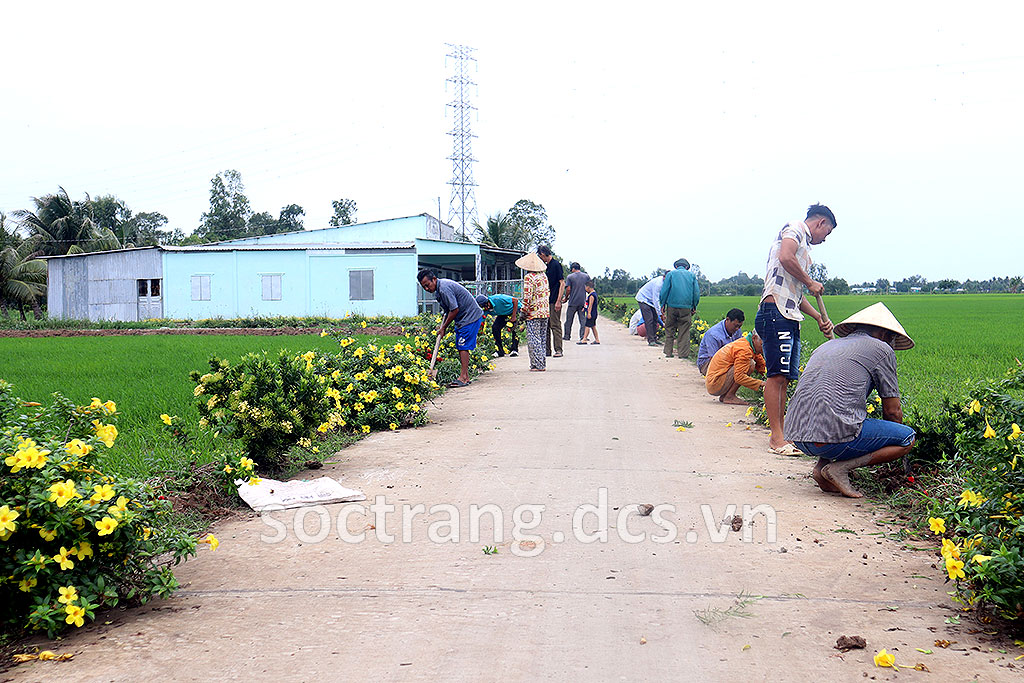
[781, 339]
[874, 434]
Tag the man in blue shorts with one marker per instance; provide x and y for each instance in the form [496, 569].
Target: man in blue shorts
[782, 304]
[828, 416]
[461, 308]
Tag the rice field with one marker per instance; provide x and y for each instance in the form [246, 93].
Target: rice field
[144, 375]
[959, 337]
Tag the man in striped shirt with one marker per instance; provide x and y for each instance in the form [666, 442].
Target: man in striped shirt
[828, 416]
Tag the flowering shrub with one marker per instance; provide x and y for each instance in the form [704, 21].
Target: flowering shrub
[982, 521]
[72, 539]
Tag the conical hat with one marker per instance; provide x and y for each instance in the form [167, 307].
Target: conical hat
[879, 316]
[531, 262]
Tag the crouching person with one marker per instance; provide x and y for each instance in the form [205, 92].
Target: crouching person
[731, 366]
[827, 417]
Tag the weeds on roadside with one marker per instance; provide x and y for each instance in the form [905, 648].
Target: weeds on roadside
[712, 616]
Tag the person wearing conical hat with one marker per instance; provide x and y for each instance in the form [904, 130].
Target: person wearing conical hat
[536, 308]
[828, 415]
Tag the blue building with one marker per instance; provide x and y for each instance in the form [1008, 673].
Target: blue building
[366, 268]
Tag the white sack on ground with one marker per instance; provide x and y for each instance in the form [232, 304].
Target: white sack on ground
[271, 494]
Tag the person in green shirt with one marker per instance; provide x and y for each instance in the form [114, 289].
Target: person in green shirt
[505, 310]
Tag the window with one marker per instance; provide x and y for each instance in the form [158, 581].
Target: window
[143, 290]
[200, 288]
[360, 285]
[154, 288]
[272, 287]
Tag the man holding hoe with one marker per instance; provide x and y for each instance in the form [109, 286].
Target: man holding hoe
[459, 307]
[782, 305]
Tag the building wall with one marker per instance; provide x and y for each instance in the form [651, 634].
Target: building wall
[100, 286]
[314, 282]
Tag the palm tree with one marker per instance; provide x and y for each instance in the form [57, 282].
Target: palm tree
[500, 232]
[22, 279]
[63, 226]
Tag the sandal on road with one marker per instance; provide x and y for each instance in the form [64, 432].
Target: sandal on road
[595, 343]
[788, 449]
[457, 384]
[581, 343]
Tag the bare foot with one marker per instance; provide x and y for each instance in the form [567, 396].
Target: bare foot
[823, 483]
[840, 478]
[733, 400]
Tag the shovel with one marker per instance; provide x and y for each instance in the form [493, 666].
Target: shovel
[824, 314]
[433, 358]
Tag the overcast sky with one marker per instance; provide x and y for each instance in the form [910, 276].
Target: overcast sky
[648, 133]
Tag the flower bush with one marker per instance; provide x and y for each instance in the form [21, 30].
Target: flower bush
[73, 539]
[980, 517]
[271, 403]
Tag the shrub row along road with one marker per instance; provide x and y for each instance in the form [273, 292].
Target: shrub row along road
[598, 419]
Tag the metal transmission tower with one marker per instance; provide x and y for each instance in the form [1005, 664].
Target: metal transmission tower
[462, 206]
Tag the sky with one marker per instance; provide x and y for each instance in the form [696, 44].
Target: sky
[664, 130]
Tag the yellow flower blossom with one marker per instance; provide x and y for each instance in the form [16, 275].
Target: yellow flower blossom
[102, 493]
[366, 429]
[870, 408]
[119, 508]
[62, 492]
[245, 463]
[362, 324]
[392, 426]
[974, 407]
[105, 433]
[981, 559]
[253, 481]
[76, 615]
[884, 659]
[680, 429]
[63, 559]
[77, 447]
[950, 549]
[955, 568]
[26, 585]
[324, 333]
[7, 517]
[989, 432]
[414, 408]
[1015, 432]
[96, 403]
[971, 499]
[212, 541]
[47, 535]
[358, 353]
[937, 525]
[106, 526]
[84, 550]
[110, 407]
[68, 595]
[229, 469]
[166, 418]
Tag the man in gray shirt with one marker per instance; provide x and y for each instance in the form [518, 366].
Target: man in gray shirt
[828, 416]
[459, 307]
[576, 298]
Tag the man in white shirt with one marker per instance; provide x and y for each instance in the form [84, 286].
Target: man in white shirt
[782, 304]
[649, 298]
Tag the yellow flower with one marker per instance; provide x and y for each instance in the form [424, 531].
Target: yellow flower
[96, 403]
[955, 568]
[950, 549]
[937, 525]
[358, 353]
[77, 447]
[392, 426]
[75, 615]
[63, 559]
[229, 469]
[400, 406]
[26, 585]
[110, 407]
[102, 493]
[750, 411]
[414, 408]
[974, 407]
[7, 517]
[253, 481]
[119, 507]
[67, 595]
[680, 429]
[106, 526]
[84, 550]
[245, 463]
[324, 333]
[981, 559]
[366, 429]
[166, 418]
[970, 498]
[212, 541]
[871, 408]
[989, 432]
[728, 424]
[1015, 432]
[62, 492]
[362, 324]
[105, 433]
[884, 659]
[47, 534]
[198, 390]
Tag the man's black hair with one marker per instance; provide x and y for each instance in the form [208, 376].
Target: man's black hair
[589, 283]
[821, 210]
[544, 250]
[735, 314]
[425, 272]
[574, 265]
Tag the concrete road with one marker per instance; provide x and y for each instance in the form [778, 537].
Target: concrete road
[657, 598]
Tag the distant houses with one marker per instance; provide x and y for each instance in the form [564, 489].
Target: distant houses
[366, 268]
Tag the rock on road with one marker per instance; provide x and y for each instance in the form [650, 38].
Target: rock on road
[599, 420]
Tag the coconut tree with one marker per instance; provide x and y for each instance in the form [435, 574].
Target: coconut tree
[500, 232]
[65, 226]
[22, 279]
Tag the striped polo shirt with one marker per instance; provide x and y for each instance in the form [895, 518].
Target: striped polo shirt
[829, 405]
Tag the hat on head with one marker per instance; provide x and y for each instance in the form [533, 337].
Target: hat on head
[531, 262]
[482, 300]
[879, 316]
[681, 263]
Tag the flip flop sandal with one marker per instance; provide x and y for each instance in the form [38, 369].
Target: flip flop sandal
[581, 343]
[457, 384]
[595, 343]
[788, 449]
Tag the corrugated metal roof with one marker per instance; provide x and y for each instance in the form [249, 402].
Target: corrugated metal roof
[93, 253]
[313, 246]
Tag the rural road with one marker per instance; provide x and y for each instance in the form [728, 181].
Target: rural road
[599, 419]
